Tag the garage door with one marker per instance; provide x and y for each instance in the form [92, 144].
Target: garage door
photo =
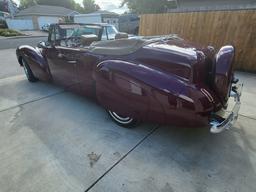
[46, 20]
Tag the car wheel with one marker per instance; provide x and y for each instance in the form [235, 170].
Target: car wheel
[28, 72]
[126, 122]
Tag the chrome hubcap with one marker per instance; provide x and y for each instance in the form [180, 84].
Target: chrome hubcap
[119, 118]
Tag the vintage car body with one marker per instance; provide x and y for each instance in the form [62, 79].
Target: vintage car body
[165, 79]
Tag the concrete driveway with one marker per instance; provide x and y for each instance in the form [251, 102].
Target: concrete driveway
[52, 140]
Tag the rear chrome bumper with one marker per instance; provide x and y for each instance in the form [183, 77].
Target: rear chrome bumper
[220, 124]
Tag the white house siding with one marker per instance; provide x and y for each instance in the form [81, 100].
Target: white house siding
[20, 24]
[42, 20]
[88, 18]
[95, 18]
[111, 20]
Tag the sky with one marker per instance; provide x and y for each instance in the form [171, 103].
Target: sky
[110, 5]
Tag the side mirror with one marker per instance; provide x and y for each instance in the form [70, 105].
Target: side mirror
[121, 36]
[43, 44]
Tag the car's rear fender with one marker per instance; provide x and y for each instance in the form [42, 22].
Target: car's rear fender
[139, 91]
[36, 61]
[224, 72]
[119, 91]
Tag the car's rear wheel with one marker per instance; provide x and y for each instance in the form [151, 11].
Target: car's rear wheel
[121, 120]
[28, 72]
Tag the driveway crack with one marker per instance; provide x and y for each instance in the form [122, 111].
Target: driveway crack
[32, 101]
[123, 157]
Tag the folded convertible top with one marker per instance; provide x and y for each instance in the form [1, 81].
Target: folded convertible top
[116, 47]
[125, 46]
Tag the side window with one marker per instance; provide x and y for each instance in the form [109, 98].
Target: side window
[104, 34]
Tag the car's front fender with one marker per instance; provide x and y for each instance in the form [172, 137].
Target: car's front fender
[35, 59]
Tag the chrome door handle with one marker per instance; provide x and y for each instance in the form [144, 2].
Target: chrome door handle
[72, 62]
[61, 56]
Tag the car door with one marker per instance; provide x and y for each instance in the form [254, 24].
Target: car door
[62, 62]
[85, 66]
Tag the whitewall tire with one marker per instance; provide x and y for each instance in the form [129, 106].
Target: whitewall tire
[127, 122]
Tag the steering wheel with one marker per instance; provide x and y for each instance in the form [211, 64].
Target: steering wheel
[72, 41]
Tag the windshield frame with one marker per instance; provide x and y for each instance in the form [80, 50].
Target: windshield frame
[54, 27]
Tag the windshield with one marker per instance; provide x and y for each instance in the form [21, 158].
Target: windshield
[68, 31]
[81, 35]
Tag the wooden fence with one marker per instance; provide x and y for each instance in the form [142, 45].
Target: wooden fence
[216, 28]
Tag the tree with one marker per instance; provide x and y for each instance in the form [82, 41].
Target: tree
[149, 6]
[27, 3]
[77, 7]
[90, 6]
[63, 3]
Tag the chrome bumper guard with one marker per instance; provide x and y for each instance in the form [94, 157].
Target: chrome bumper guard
[218, 126]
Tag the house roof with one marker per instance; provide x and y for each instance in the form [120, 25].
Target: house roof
[47, 10]
[100, 12]
[104, 12]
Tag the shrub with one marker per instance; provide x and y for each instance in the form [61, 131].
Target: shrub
[9, 33]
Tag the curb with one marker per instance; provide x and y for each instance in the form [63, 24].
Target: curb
[21, 37]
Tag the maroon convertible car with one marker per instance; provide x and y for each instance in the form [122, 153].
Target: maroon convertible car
[158, 79]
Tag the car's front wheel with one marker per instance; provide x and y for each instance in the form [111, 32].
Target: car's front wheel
[121, 120]
[28, 72]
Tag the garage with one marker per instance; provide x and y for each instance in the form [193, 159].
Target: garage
[44, 14]
[44, 20]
